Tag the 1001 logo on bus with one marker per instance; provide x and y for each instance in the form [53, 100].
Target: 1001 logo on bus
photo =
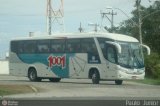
[57, 61]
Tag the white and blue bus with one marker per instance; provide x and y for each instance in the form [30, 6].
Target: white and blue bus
[97, 56]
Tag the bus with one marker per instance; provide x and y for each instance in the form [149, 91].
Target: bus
[97, 56]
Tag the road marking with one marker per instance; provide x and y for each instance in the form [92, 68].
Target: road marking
[34, 89]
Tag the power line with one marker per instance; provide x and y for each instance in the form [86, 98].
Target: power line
[105, 15]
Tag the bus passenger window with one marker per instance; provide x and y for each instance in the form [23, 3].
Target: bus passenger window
[29, 47]
[17, 47]
[43, 46]
[88, 46]
[58, 45]
[73, 46]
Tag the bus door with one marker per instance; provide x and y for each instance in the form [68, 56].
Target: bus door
[111, 56]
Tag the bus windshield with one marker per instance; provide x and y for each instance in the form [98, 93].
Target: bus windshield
[131, 55]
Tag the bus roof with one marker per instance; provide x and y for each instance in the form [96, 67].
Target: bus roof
[113, 36]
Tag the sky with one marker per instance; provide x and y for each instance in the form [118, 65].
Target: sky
[19, 17]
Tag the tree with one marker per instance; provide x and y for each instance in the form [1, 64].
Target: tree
[150, 26]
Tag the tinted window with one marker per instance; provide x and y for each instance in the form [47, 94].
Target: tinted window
[73, 45]
[17, 46]
[43, 46]
[88, 45]
[58, 46]
[26, 46]
[29, 47]
[14, 46]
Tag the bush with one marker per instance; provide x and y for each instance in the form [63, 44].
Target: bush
[152, 65]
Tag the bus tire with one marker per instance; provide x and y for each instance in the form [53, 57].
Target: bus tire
[118, 82]
[32, 75]
[54, 79]
[95, 77]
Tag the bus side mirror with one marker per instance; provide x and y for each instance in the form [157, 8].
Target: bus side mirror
[147, 48]
[118, 47]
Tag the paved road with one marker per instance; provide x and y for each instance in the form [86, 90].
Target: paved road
[83, 88]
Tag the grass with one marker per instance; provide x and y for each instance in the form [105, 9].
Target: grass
[14, 89]
[149, 81]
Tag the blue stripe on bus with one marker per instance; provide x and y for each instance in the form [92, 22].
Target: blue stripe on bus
[57, 63]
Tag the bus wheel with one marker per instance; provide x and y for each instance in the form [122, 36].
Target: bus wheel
[32, 75]
[118, 82]
[54, 79]
[95, 77]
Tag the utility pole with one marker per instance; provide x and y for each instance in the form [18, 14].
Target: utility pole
[112, 13]
[139, 24]
[55, 16]
[80, 28]
[139, 20]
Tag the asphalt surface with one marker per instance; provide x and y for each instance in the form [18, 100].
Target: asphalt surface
[82, 89]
